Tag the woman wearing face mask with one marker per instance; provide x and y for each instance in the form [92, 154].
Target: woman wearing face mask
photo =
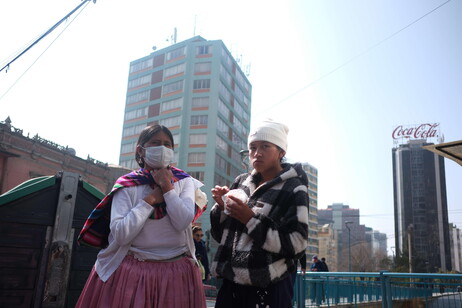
[148, 255]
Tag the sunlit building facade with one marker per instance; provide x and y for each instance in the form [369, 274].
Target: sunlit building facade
[196, 89]
[420, 205]
[313, 246]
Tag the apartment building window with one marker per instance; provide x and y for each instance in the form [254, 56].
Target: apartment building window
[226, 59]
[201, 84]
[133, 130]
[146, 64]
[138, 97]
[222, 127]
[203, 67]
[222, 145]
[234, 172]
[236, 156]
[196, 158]
[239, 94]
[225, 75]
[130, 164]
[176, 53]
[199, 120]
[172, 87]
[200, 102]
[198, 175]
[221, 181]
[223, 109]
[195, 139]
[238, 141]
[176, 139]
[224, 92]
[239, 127]
[171, 122]
[137, 113]
[203, 50]
[221, 164]
[141, 81]
[174, 70]
[128, 148]
[171, 104]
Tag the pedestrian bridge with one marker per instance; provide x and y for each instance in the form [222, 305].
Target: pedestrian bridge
[383, 289]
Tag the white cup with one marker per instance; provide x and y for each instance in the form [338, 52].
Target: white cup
[238, 193]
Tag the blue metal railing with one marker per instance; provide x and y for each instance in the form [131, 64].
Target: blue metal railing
[329, 289]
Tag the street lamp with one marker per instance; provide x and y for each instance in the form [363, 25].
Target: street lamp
[349, 244]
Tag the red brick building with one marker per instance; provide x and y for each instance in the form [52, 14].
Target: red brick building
[23, 158]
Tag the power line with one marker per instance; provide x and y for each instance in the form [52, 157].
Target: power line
[355, 57]
[44, 35]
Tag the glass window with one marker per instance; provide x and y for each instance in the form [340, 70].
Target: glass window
[222, 127]
[224, 92]
[196, 158]
[133, 130]
[128, 148]
[137, 113]
[138, 97]
[146, 64]
[202, 67]
[221, 181]
[176, 138]
[221, 163]
[201, 84]
[141, 81]
[171, 122]
[199, 102]
[176, 53]
[171, 104]
[223, 109]
[225, 75]
[172, 87]
[130, 164]
[198, 139]
[222, 145]
[174, 70]
[198, 175]
[203, 50]
[199, 120]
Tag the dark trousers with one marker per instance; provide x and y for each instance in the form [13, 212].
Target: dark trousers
[276, 295]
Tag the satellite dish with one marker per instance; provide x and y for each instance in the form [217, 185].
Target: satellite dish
[154, 47]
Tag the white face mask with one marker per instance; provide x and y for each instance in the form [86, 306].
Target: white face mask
[158, 157]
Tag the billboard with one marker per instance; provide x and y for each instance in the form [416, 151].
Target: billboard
[421, 131]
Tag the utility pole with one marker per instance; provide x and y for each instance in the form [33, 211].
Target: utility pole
[410, 231]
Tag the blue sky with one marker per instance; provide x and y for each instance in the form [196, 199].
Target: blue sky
[341, 74]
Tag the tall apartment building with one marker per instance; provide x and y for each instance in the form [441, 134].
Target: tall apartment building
[313, 246]
[420, 206]
[340, 216]
[196, 89]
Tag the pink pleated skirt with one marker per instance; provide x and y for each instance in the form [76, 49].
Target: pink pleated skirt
[145, 284]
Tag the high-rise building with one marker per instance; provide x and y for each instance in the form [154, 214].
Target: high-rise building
[196, 89]
[351, 234]
[420, 206]
[312, 173]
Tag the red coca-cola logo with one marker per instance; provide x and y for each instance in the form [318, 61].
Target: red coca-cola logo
[421, 131]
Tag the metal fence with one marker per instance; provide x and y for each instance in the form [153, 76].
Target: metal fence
[384, 289]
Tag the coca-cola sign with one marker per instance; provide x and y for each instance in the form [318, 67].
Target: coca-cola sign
[422, 131]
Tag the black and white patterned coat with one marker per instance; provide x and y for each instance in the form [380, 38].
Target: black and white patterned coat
[265, 249]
